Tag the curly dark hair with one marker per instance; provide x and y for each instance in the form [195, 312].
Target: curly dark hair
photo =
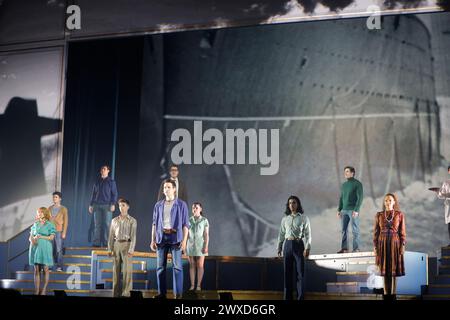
[299, 205]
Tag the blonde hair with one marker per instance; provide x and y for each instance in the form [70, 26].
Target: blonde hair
[46, 212]
[396, 204]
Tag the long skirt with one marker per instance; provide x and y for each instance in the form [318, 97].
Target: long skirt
[389, 259]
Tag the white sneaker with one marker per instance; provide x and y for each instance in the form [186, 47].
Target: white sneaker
[59, 270]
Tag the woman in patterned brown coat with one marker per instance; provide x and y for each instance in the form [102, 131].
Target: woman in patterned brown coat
[389, 241]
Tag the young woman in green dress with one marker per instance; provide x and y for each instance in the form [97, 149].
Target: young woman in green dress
[41, 248]
[197, 245]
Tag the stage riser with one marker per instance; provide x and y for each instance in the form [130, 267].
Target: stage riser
[54, 286]
[352, 278]
[444, 270]
[442, 280]
[144, 260]
[136, 286]
[84, 252]
[69, 260]
[136, 276]
[358, 267]
[81, 268]
[109, 265]
[439, 290]
[50, 293]
[342, 289]
[203, 295]
[53, 276]
[359, 288]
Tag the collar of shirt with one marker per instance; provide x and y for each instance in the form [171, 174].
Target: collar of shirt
[197, 220]
[161, 202]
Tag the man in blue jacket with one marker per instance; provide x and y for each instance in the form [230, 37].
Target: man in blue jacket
[169, 234]
[103, 201]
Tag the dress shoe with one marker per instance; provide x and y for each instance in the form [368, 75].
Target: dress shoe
[343, 251]
[160, 297]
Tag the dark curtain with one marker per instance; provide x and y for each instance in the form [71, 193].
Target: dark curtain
[101, 108]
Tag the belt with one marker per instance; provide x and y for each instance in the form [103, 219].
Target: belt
[123, 240]
[169, 231]
[293, 239]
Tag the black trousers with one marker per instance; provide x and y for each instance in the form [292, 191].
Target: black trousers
[448, 224]
[294, 266]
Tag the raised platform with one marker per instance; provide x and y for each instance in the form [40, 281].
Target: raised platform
[357, 273]
[88, 272]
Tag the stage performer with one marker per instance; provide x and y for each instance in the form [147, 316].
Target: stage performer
[348, 210]
[444, 194]
[389, 240]
[103, 200]
[60, 219]
[295, 233]
[181, 192]
[121, 244]
[197, 245]
[169, 234]
[41, 249]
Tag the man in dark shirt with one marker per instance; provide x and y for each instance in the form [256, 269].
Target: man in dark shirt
[348, 210]
[103, 200]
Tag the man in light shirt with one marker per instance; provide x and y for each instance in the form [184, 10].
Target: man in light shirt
[295, 233]
[169, 234]
[121, 244]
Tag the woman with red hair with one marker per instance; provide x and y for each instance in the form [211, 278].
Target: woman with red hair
[41, 248]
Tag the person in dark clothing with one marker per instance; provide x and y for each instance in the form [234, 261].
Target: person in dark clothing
[181, 192]
[103, 200]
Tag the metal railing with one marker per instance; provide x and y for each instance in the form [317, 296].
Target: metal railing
[11, 256]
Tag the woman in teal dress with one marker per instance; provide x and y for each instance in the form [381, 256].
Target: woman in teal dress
[197, 245]
[41, 248]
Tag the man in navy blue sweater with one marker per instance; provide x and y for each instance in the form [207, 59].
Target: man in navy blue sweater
[102, 205]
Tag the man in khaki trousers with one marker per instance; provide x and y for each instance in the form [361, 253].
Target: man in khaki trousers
[121, 243]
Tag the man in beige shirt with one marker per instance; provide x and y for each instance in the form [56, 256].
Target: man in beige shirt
[60, 219]
[121, 243]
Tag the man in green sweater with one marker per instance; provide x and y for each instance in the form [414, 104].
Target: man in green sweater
[348, 210]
